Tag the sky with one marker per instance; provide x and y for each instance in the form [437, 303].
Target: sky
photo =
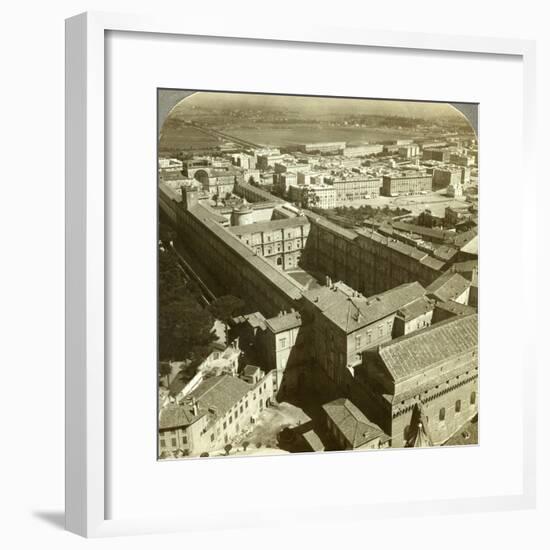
[313, 106]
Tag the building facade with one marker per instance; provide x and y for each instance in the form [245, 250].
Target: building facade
[406, 183]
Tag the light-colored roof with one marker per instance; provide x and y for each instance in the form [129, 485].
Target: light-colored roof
[273, 225]
[220, 392]
[351, 422]
[287, 321]
[418, 351]
[448, 286]
[352, 312]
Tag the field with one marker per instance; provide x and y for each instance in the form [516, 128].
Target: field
[278, 135]
[184, 137]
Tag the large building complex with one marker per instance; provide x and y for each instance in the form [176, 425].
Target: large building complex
[375, 321]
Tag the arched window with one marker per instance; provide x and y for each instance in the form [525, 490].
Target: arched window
[458, 406]
[473, 398]
[279, 261]
[441, 414]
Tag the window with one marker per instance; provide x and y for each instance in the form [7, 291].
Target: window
[225, 425]
[380, 330]
[473, 398]
[246, 404]
[241, 409]
[357, 341]
[184, 439]
[162, 443]
[405, 432]
[174, 442]
[260, 390]
[458, 406]
[261, 404]
[441, 415]
[236, 413]
[230, 419]
[211, 437]
[369, 336]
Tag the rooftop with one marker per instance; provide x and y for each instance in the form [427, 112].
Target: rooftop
[273, 225]
[413, 310]
[351, 422]
[219, 393]
[416, 352]
[351, 312]
[448, 286]
[286, 321]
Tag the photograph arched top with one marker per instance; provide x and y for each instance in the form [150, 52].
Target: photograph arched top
[285, 120]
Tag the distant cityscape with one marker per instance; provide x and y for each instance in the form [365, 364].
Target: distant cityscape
[317, 276]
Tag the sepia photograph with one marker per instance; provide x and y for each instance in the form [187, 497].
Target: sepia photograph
[317, 274]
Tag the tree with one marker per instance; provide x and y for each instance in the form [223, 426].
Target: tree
[245, 445]
[226, 307]
[166, 233]
[165, 370]
[205, 455]
[184, 326]
[227, 449]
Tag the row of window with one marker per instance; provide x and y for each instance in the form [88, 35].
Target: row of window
[458, 406]
[359, 342]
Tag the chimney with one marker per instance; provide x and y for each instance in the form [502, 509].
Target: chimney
[195, 406]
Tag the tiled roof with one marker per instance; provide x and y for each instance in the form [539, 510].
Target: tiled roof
[175, 416]
[220, 392]
[351, 422]
[448, 286]
[284, 322]
[419, 307]
[411, 354]
[455, 308]
[352, 312]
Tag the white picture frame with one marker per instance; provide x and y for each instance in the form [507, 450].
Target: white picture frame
[86, 241]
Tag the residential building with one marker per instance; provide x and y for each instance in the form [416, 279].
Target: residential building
[218, 410]
[350, 429]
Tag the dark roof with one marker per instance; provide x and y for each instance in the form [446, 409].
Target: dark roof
[351, 311]
[448, 286]
[273, 225]
[284, 322]
[418, 351]
[250, 370]
[351, 422]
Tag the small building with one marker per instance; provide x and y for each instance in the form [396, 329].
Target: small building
[350, 428]
[214, 414]
[450, 286]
